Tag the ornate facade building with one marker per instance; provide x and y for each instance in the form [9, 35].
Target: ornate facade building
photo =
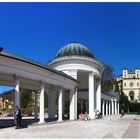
[129, 84]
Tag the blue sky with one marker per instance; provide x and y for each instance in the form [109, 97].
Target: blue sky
[38, 30]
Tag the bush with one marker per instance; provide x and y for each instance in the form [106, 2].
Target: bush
[27, 111]
[134, 107]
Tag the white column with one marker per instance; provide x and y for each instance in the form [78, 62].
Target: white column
[73, 97]
[91, 96]
[112, 103]
[109, 108]
[115, 106]
[60, 105]
[17, 94]
[42, 88]
[106, 107]
[98, 96]
[73, 104]
[103, 108]
[51, 104]
[118, 108]
[36, 105]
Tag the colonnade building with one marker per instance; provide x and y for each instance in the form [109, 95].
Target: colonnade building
[74, 71]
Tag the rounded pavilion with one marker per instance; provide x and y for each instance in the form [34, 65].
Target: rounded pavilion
[79, 62]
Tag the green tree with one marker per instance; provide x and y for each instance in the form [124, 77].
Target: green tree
[124, 102]
[26, 99]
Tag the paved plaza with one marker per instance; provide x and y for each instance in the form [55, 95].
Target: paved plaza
[108, 127]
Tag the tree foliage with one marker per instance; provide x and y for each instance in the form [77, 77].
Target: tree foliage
[108, 78]
[26, 99]
[124, 102]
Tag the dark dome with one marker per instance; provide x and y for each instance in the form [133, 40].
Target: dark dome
[74, 49]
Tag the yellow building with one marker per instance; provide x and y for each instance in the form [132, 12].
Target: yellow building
[6, 100]
[129, 84]
[4, 104]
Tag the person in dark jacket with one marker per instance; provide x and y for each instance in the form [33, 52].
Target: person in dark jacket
[122, 113]
[18, 118]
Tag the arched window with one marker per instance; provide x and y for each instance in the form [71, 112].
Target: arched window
[124, 84]
[131, 95]
[131, 84]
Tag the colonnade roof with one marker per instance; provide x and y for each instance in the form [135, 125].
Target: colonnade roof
[112, 94]
[23, 59]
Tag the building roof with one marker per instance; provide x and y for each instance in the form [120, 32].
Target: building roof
[17, 57]
[112, 94]
[74, 48]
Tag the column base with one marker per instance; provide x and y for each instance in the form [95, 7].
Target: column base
[72, 119]
[59, 120]
[41, 122]
[92, 117]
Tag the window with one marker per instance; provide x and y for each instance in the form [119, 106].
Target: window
[137, 84]
[131, 84]
[124, 84]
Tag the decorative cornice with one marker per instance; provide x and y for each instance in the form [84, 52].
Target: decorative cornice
[22, 59]
[74, 58]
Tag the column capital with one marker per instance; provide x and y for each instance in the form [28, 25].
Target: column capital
[42, 83]
[98, 79]
[112, 100]
[91, 74]
[16, 78]
[73, 73]
[61, 89]
[103, 99]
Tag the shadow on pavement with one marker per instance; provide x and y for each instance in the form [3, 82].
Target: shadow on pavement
[6, 122]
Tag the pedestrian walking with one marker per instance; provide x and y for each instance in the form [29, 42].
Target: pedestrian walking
[18, 117]
[122, 113]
